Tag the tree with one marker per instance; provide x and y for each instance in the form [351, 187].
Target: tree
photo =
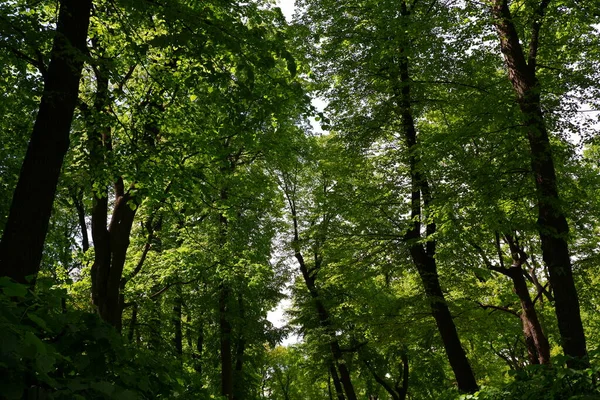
[27, 224]
[552, 223]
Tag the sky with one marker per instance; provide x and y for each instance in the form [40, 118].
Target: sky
[287, 7]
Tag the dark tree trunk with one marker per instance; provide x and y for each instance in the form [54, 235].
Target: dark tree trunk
[403, 390]
[322, 313]
[132, 323]
[225, 341]
[552, 223]
[424, 255]
[535, 339]
[531, 324]
[325, 322]
[177, 315]
[78, 203]
[110, 249]
[240, 349]
[110, 243]
[339, 391]
[199, 349]
[27, 223]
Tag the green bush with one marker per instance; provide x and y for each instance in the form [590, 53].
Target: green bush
[48, 352]
[538, 382]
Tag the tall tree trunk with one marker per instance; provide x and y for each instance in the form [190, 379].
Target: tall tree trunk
[339, 391]
[27, 223]
[240, 349]
[132, 323]
[424, 255]
[534, 336]
[225, 342]
[177, 315]
[199, 349]
[323, 314]
[552, 223]
[224, 323]
[110, 249]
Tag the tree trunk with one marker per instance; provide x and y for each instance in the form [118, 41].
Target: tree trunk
[199, 349]
[27, 223]
[110, 249]
[240, 349]
[132, 323]
[78, 203]
[424, 255]
[529, 318]
[177, 315]
[225, 341]
[322, 313]
[336, 382]
[325, 322]
[552, 223]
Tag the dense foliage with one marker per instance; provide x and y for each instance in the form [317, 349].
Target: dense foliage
[166, 182]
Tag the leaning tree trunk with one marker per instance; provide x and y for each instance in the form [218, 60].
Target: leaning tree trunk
[339, 391]
[27, 224]
[552, 223]
[424, 255]
[323, 314]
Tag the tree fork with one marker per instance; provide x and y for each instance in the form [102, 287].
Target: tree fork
[552, 224]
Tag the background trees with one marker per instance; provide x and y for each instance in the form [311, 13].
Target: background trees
[194, 197]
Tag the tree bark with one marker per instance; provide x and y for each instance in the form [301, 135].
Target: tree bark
[27, 223]
[240, 349]
[552, 223]
[531, 324]
[132, 323]
[423, 256]
[325, 322]
[110, 249]
[322, 313]
[534, 336]
[339, 390]
[225, 342]
[177, 315]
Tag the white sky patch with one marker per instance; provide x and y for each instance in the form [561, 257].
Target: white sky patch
[287, 8]
[278, 319]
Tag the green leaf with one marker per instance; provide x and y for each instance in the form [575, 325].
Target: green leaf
[12, 289]
[38, 321]
[103, 387]
[33, 341]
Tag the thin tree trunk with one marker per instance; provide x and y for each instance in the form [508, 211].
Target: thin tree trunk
[403, 390]
[552, 223]
[225, 329]
[78, 203]
[225, 342]
[132, 323]
[177, 315]
[240, 349]
[339, 391]
[27, 223]
[531, 324]
[325, 322]
[110, 249]
[199, 349]
[424, 255]
[322, 313]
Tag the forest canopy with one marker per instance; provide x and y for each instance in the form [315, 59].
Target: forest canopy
[168, 178]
